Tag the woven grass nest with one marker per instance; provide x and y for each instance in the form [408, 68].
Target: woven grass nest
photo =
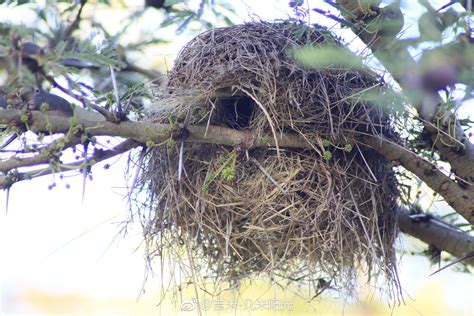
[323, 214]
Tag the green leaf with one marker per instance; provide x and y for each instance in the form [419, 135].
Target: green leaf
[385, 98]
[327, 57]
[60, 47]
[431, 27]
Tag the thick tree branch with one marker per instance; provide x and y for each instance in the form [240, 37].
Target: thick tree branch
[438, 234]
[458, 197]
[446, 133]
[148, 131]
[145, 132]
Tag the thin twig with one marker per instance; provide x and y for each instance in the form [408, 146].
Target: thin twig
[116, 92]
[98, 156]
[74, 25]
[181, 147]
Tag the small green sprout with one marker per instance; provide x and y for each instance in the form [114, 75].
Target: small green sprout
[170, 144]
[149, 143]
[327, 155]
[24, 118]
[266, 139]
[44, 107]
[326, 143]
[229, 173]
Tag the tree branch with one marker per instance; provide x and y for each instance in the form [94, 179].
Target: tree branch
[40, 157]
[153, 75]
[145, 132]
[446, 132]
[75, 24]
[148, 131]
[99, 155]
[458, 197]
[437, 233]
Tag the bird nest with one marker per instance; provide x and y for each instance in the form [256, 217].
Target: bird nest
[324, 213]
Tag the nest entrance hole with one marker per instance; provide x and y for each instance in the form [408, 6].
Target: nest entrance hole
[235, 111]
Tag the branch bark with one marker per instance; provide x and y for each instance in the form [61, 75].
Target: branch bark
[8, 180]
[148, 131]
[438, 234]
[457, 196]
[145, 132]
[38, 159]
[446, 133]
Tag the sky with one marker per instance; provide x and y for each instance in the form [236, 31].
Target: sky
[55, 246]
